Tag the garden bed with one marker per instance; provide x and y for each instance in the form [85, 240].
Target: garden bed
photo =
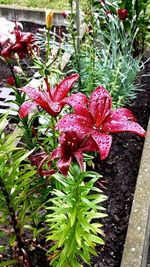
[119, 175]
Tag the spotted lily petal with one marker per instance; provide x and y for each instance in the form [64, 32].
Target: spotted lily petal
[77, 123]
[121, 114]
[88, 144]
[100, 104]
[123, 126]
[42, 99]
[26, 108]
[64, 87]
[103, 142]
[78, 102]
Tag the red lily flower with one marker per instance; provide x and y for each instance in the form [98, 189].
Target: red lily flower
[72, 146]
[21, 45]
[53, 99]
[7, 29]
[39, 160]
[99, 121]
[122, 13]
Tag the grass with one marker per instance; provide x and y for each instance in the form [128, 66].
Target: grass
[53, 4]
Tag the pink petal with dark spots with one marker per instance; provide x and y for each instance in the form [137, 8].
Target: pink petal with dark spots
[103, 142]
[42, 99]
[64, 87]
[123, 126]
[88, 144]
[121, 114]
[26, 108]
[77, 123]
[78, 102]
[100, 103]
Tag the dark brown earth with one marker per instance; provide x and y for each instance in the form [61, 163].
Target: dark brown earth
[119, 172]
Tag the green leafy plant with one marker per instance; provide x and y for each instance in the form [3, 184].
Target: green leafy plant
[72, 218]
[19, 208]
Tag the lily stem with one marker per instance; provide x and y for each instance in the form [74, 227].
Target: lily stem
[53, 122]
[48, 45]
[13, 74]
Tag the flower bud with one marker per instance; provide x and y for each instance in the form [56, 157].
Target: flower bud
[64, 14]
[49, 18]
[122, 13]
[10, 81]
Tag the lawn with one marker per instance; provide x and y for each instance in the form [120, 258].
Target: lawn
[54, 4]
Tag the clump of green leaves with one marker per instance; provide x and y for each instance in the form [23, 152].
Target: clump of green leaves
[17, 201]
[72, 218]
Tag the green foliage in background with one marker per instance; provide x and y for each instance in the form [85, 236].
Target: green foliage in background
[54, 4]
[106, 54]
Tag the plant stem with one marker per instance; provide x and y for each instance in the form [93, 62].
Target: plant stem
[73, 35]
[13, 74]
[48, 45]
[53, 122]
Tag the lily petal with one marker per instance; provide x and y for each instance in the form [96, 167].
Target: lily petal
[64, 87]
[89, 145]
[100, 104]
[74, 122]
[103, 142]
[123, 126]
[26, 108]
[56, 153]
[79, 157]
[78, 102]
[42, 99]
[121, 114]
[64, 165]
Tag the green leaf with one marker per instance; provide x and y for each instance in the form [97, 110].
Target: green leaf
[8, 263]
[27, 226]
[78, 234]
[76, 264]
[12, 240]
[3, 122]
[2, 248]
[96, 239]
[73, 215]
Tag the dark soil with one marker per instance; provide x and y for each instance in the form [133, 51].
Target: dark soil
[119, 173]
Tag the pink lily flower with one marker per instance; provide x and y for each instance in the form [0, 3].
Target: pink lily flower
[51, 100]
[99, 121]
[21, 45]
[6, 31]
[72, 146]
